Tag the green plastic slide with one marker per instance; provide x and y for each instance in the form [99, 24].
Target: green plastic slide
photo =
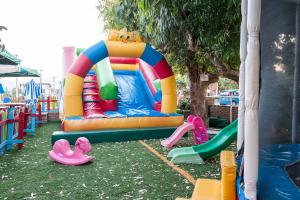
[196, 154]
[106, 81]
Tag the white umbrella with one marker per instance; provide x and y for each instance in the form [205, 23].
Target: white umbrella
[32, 91]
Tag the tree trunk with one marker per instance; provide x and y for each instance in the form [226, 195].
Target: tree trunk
[198, 90]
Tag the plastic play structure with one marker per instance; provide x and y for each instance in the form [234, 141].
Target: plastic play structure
[16, 121]
[268, 126]
[118, 90]
[62, 153]
[32, 117]
[12, 129]
[194, 123]
[224, 189]
[268, 129]
[196, 154]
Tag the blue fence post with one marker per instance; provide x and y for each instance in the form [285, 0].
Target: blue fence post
[10, 129]
[43, 104]
[34, 117]
[31, 119]
[2, 140]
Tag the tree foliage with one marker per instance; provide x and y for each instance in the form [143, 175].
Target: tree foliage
[196, 36]
[206, 31]
[2, 46]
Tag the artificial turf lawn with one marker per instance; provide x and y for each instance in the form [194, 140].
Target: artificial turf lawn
[124, 170]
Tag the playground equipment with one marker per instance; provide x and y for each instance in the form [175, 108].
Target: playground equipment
[224, 189]
[11, 128]
[32, 117]
[135, 98]
[194, 123]
[63, 154]
[268, 130]
[196, 154]
[48, 104]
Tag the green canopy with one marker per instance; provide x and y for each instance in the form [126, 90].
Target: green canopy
[23, 72]
[6, 58]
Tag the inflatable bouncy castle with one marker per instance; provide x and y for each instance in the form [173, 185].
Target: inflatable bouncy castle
[117, 90]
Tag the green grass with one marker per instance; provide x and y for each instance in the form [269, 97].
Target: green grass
[124, 170]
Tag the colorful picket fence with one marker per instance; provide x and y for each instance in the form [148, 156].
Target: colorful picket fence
[16, 122]
[32, 117]
[11, 128]
[48, 104]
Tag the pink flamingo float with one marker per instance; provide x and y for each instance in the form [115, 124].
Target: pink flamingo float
[194, 123]
[62, 153]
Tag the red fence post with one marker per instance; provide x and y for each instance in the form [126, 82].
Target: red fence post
[21, 129]
[48, 103]
[1, 139]
[26, 115]
[39, 115]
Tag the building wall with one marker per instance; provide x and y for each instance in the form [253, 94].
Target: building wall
[222, 111]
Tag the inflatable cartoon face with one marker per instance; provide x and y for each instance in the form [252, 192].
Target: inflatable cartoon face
[124, 36]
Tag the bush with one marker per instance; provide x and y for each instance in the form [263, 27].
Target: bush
[184, 104]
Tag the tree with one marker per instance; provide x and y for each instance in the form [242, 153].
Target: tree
[201, 38]
[2, 46]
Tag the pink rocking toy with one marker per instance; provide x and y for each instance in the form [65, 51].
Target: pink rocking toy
[63, 154]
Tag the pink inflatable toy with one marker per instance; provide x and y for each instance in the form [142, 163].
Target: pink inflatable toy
[62, 153]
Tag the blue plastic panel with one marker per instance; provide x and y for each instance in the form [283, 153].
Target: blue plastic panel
[151, 56]
[96, 52]
[133, 101]
[91, 72]
[274, 182]
[147, 89]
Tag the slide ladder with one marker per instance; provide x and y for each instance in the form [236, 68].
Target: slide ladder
[194, 123]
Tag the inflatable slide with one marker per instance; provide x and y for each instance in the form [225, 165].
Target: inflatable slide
[196, 154]
[118, 91]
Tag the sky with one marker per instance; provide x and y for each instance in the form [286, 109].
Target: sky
[39, 29]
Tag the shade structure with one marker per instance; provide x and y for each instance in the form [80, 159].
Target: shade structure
[8, 68]
[22, 72]
[8, 62]
[6, 58]
[32, 90]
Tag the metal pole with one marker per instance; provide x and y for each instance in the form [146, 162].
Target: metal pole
[17, 89]
[53, 82]
[41, 81]
[230, 118]
[296, 92]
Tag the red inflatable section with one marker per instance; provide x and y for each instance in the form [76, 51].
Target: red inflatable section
[89, 79]
[109, 105]
[91, 98]
[157, 106]
[89, 85]
[120, 60]
[90, 91]
[148, 75]
[163, 70]
[92, 106]
[90, 114]
[81, 66]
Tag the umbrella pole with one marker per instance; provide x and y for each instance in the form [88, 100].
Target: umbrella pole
[17, 90]
[296, 94]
